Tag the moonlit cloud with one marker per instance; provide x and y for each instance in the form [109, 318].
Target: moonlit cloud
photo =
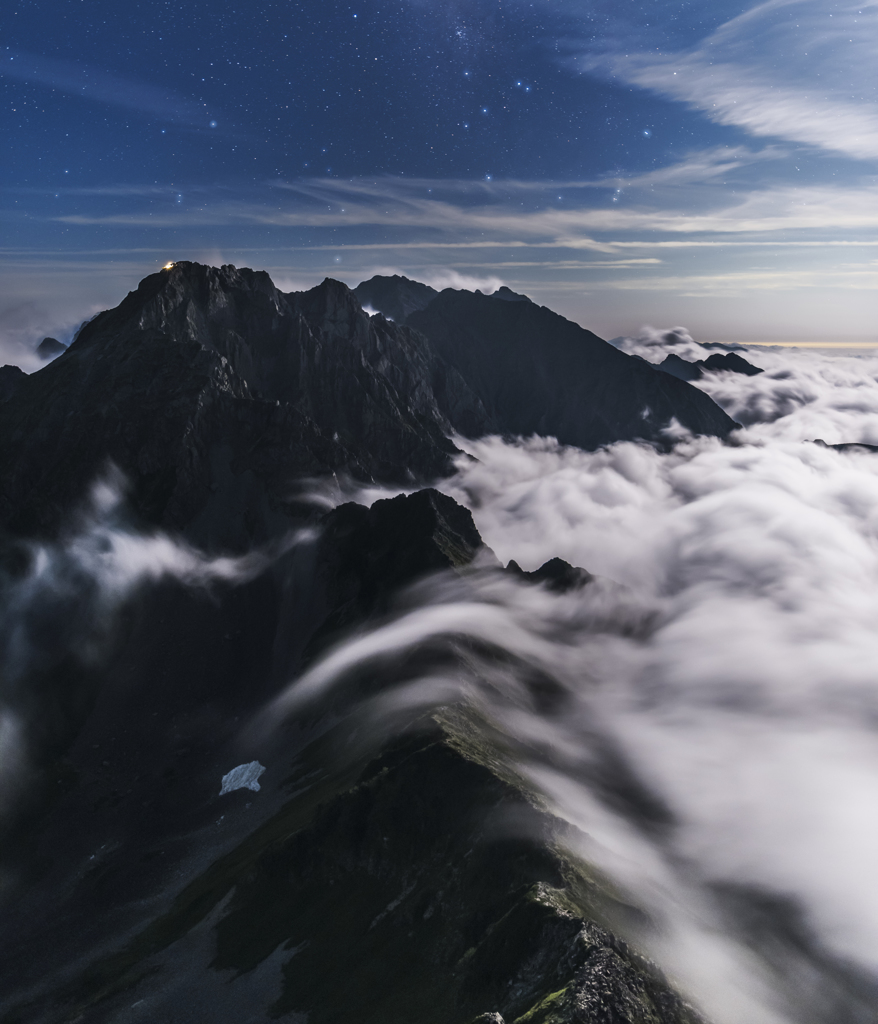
[800, 396]
[629, 233]
[792, 69]
[394, 203]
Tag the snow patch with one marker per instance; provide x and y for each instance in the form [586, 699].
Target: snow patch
[245, 776]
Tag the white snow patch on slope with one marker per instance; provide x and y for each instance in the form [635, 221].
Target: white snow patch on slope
[245, 776]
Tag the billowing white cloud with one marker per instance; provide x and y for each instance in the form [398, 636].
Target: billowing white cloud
[654, 344]
[802, 395]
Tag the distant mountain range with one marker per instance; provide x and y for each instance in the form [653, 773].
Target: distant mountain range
[685, 370]
[364, 889]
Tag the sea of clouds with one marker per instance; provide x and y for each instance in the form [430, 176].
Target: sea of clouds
[717, 740]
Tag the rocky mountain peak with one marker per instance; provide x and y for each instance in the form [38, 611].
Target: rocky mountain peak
[394, 295]
[331, 306]
[49, 348]
[508, 295]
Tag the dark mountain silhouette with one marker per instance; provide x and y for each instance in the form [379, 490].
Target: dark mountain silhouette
[394, 296]
[682, 369]
[11, 377]
[215, 393]
[508, 295]
[48, 348]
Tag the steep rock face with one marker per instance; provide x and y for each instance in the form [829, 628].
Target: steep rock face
[178, 421]
[214, 393]
[401, 386]
[367, 554]
[537, 373]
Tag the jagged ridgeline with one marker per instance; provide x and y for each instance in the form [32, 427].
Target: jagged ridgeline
[358, 881]
[214, 392]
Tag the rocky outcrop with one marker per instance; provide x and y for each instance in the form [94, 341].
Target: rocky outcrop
[556, 575]
[367, 554]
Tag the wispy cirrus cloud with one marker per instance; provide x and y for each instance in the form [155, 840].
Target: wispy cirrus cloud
[394, 203]
[790, 69]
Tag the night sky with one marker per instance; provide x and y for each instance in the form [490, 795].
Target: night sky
[704, 164]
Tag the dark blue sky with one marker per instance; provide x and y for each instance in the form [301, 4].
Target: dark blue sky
[199, 91]
[623, 162]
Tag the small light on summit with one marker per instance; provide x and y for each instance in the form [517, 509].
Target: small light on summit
[168, 266]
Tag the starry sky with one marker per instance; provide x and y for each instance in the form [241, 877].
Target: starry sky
[709, 164]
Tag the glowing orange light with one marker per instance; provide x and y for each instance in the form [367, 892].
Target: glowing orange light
[168, 266]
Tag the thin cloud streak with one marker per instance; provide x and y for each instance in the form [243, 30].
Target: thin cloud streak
[765, 210]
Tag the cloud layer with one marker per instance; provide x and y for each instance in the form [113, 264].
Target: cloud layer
[801, 396]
